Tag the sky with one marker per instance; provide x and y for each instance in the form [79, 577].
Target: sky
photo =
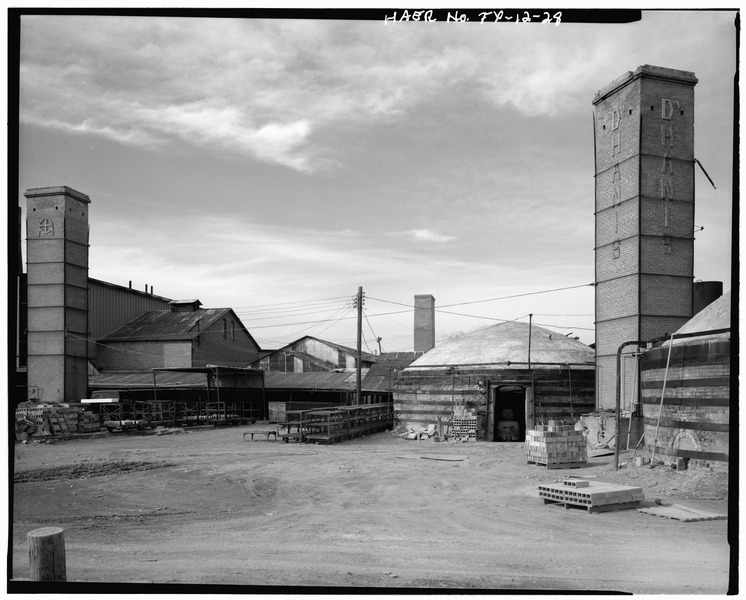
[274, 166]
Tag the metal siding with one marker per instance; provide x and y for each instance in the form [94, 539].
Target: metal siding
[110, 307]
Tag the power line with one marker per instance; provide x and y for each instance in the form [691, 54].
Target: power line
[373, 332]
[251, 319]
[571, 287]
[274, 304]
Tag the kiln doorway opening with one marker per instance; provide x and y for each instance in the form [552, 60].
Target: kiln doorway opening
[510, 413]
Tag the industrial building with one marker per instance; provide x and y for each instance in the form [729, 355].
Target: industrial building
[309, 354]
[183, 336]
[78, 334]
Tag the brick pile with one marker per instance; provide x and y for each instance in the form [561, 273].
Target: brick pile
[41, 420]
[557, 446]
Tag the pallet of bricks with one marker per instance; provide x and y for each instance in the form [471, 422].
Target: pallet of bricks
[595, 496]
[42, 420]
[556, 446]
[464, 425]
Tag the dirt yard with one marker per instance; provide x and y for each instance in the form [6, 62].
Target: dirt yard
[205, 507]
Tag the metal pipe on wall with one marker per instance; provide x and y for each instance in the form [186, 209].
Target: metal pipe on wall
[639, 344]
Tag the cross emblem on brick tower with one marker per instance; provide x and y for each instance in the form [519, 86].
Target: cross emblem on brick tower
[46, 227]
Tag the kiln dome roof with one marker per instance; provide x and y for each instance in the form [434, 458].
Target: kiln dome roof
[507, 342]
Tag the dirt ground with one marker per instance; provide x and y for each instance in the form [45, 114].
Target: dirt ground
[375, 513]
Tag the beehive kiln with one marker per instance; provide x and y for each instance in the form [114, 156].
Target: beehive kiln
[686, 392]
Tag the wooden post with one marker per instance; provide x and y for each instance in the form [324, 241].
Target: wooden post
[46, 554]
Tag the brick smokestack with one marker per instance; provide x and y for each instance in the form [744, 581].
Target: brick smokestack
[424, 322]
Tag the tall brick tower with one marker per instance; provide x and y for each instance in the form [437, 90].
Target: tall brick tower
[57, 284]
[644, 149]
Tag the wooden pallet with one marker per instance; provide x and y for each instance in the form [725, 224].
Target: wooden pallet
[682, 513]
[266, 432]
[595, 509]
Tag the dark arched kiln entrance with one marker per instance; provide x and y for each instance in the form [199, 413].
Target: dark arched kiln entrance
[509, 415]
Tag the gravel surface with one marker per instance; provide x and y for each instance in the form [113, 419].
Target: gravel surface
[206, 509]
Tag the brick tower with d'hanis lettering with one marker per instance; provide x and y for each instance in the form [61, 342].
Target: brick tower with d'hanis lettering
[644, 215]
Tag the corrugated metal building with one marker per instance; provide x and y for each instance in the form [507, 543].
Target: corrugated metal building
[298, 391]
[111, 305]
[237, 393]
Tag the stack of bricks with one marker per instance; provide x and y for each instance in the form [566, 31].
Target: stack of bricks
[557, 446]
[56, 419]
[596, 496]
[88, 422]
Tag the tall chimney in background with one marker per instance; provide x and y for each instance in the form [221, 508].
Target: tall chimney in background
[424, 322]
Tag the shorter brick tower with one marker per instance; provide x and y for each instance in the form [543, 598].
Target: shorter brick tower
[57, 284]
[644, 211]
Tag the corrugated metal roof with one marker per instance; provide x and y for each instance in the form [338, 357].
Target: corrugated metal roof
[319, 381]
[345, 381]
[167, 325]
[375, 383]
[144, 379]
[508, 342]
[165, 378]
[389, 361]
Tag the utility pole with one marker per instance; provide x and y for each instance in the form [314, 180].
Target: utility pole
[359, 303]
[530, 318]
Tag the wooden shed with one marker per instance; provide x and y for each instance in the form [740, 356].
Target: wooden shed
[510, 376]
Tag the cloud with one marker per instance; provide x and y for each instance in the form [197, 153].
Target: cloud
[427, 235]
[269, 89]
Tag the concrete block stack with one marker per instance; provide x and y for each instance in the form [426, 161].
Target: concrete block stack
[556, 446]
[463, 425]
[595, 496]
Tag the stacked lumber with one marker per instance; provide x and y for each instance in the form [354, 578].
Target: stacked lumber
[556, 446]
[595, 496]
